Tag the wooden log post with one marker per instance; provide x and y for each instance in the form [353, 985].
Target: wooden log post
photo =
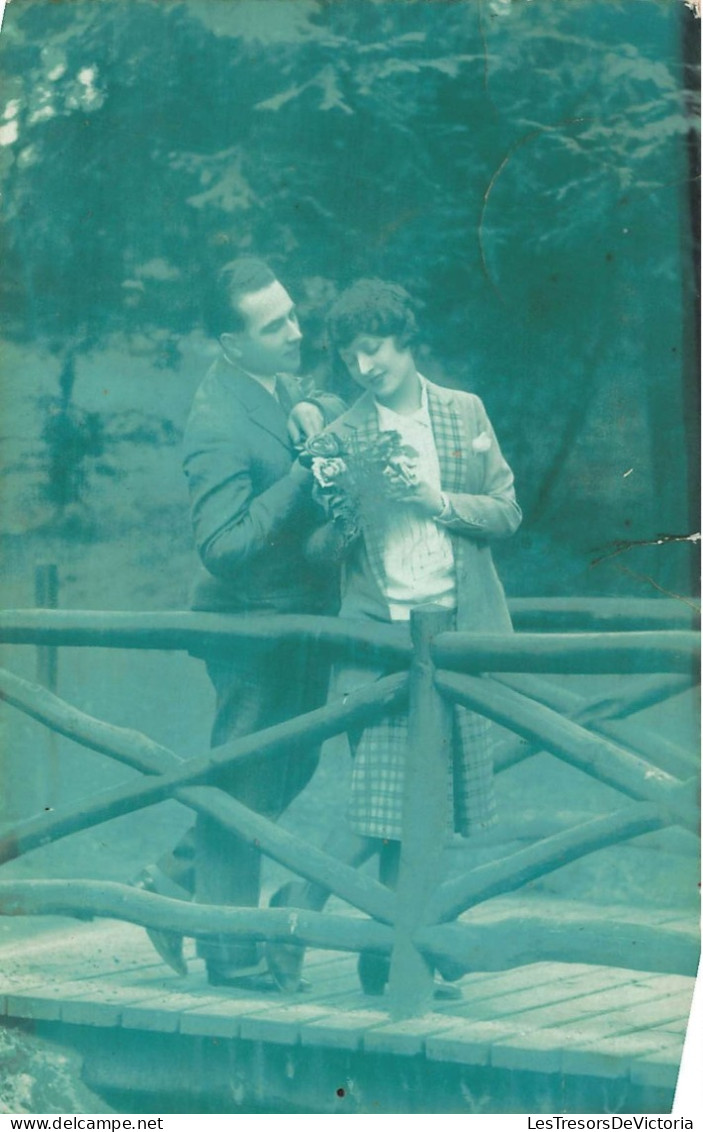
[138, 751]
[46, 596]
[202, 634]
[534, 932]
[580, 654]
[47, 778]
[611, 716]
[425, 816]
[507, 874]
[593, 754]
[360, 706]
[88, 898]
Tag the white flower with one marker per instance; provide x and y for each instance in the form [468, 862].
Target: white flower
[482, 442]
[327, 470]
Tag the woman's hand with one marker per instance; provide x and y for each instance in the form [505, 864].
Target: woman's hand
[422, 495]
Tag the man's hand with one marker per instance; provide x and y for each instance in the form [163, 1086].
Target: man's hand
[300, 475]
[305, 420]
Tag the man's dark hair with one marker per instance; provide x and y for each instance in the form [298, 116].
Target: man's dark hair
[242, 276]
[373, 306]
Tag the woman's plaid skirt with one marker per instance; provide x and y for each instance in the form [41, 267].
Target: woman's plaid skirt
[378, 776]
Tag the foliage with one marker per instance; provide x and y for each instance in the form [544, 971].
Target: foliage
[523, 168]
[71, 436]
[421, 140]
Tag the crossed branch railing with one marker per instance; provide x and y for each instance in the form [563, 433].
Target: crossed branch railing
[417, 924]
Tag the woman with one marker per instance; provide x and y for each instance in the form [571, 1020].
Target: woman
[423, 536]
[417, 530]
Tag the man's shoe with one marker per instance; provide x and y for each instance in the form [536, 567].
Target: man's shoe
[257, 977]
[285, 965]
[446, 992]
[168, 945]
[285, 960]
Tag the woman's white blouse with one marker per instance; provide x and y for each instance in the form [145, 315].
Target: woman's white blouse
[417, 555]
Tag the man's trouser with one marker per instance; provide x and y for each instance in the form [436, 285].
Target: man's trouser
[254, 691]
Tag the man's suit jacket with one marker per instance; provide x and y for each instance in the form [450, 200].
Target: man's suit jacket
[479, 486]
[250, 518]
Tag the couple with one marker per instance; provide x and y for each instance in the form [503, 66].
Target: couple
[266, 548]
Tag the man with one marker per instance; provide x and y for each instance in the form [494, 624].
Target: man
[252, 513]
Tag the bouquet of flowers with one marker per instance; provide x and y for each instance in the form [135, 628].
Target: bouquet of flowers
[360, 483]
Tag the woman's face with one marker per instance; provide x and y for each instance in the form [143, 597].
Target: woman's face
[381, 366]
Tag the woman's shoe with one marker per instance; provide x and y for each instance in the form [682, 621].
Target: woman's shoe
[373, 971]
[450, 971]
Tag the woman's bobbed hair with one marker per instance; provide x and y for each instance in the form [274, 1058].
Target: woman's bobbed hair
[373, 306]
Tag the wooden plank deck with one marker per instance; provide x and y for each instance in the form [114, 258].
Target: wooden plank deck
[544, 1018]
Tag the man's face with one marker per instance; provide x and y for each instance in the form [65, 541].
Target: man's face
[270, 343]
[379, 365]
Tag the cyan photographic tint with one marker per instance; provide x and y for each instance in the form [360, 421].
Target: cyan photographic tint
[350, 496]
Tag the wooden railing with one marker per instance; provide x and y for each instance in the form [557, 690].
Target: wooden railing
[491, 674]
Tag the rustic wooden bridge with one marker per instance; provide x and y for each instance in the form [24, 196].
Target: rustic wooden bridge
[566, 1007]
